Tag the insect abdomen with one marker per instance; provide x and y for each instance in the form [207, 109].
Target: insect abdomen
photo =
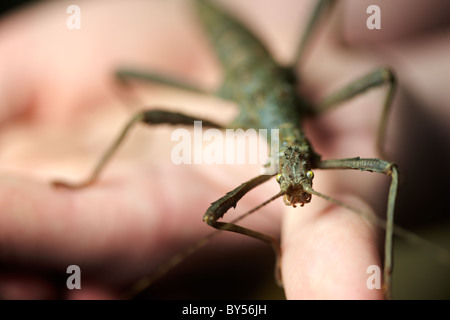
[236, 48]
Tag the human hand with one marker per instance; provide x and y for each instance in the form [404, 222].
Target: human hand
[95, 228]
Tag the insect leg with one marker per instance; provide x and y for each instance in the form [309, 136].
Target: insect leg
[150, 117]
[311, 25]
[374, 79]
[124, 75]
[145, 282]
[218, 209]
[379, 166]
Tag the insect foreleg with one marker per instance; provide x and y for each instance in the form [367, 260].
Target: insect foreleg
[374, 79]
[221, 206]
[379, 166]
[151, 117]
[145, 282]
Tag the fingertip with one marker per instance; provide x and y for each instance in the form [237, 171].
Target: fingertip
[328, 252]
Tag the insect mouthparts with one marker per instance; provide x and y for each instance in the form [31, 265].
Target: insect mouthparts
[292, 198]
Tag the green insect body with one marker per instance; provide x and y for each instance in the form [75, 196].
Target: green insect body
[266, 94]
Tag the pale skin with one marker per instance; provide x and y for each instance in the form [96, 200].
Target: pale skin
[60, 110]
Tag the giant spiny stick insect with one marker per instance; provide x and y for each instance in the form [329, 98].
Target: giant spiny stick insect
[270, 101]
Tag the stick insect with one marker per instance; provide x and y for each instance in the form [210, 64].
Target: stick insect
[271, 102]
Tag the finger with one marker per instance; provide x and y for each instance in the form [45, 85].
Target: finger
[90, 291]
[327, 252]
[25, 287]
[140, 219]
[102, 221]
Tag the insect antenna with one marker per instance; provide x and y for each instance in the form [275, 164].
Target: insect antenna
[441, 254]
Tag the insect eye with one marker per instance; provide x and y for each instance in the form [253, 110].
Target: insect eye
[310, 175]
[278, 177]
